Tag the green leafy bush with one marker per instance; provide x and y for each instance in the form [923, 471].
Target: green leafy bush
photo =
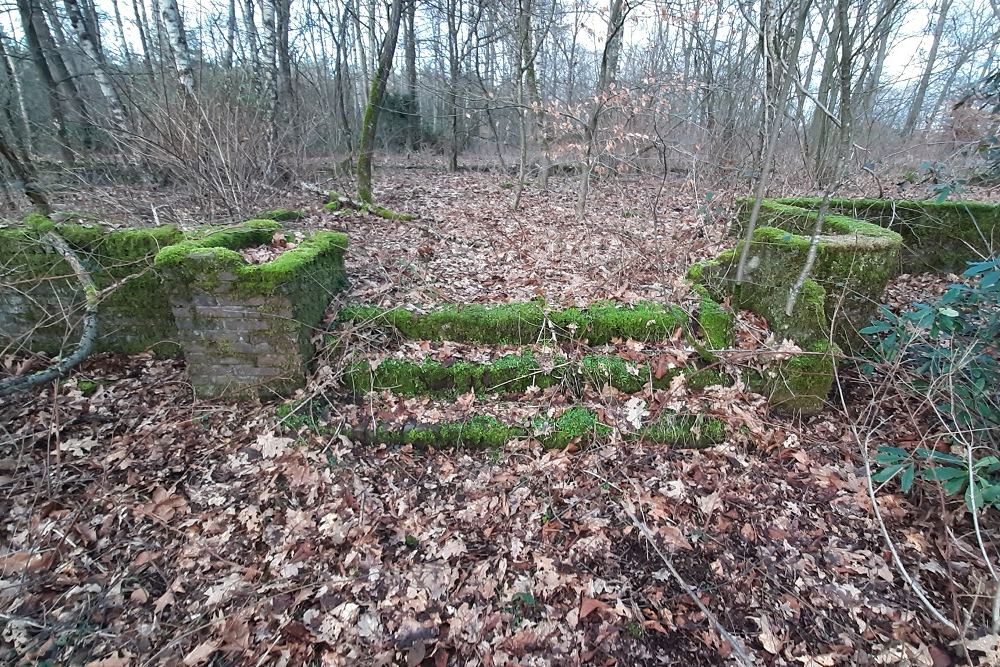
[949, 352]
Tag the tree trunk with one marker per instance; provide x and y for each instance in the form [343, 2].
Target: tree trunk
[22, 134]
[120, 25]
[413, 105]
[24, 171]
[925, 79]
[608, 73]
[174, 25]
[91, 49]
[369, 121]
[142, 23]
[283, 16]
[28, 24]
[227, 59]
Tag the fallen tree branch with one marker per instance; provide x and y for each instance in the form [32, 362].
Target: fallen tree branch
[739, 650]
[65, 364]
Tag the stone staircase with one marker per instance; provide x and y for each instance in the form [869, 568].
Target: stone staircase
[479, 376]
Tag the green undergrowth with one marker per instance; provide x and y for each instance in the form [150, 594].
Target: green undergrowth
[526, 322]
[577, 426]
[513, 374]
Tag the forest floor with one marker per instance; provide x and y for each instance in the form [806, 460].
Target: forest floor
[145, 526]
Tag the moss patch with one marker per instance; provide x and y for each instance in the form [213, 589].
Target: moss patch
[526, 323]
[576, 426]
[281, 215]
[513, 374]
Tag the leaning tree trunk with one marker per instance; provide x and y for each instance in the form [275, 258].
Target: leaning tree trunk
[369, 122]
[92, 50]
[609, 70]
[925, 79]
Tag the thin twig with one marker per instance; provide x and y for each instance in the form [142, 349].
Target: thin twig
[739, 649]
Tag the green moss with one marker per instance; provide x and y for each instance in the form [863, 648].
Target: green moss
[199, 261]
[512, 374]
[38, 222]
[600, 371]
[575, 425]
[802, 383]
[937, 236]
[683, 431]
[526, 323]
[707, 377]
[477, 432]
[799, 220]
[388, 213]
[264, 278]
[281, 215]
[715, 323]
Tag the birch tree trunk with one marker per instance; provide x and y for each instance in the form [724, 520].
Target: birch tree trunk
[91, 49]
[174, 25]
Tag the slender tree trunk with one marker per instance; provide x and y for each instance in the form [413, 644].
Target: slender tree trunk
[23, 136]
[227, 60]
[369, 122]
[454, 20]
[120, 25]
[270, 63]
[925, 78]
[283, 17]
[413, 105]
[174, 25]
[142, 23]
[608, 73]
[90, 48]
[28, 24]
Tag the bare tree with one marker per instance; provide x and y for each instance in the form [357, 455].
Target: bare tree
[369, 121]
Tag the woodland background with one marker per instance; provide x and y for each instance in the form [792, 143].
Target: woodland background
[236, 101]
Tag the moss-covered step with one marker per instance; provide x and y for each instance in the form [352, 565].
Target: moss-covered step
[246, 328]
[526, 323]
[937, 235]
[513, 374]
[41, 302]
[576, 425]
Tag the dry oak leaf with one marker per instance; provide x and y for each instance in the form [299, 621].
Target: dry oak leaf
[200, 654]
[164, 505]
[673, 537]
[588, 605]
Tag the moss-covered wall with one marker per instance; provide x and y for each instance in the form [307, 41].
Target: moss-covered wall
[937, 236]
[246, 328]
[41, 302]
[527, 323]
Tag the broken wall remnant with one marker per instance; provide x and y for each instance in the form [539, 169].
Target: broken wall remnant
[243, 329]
